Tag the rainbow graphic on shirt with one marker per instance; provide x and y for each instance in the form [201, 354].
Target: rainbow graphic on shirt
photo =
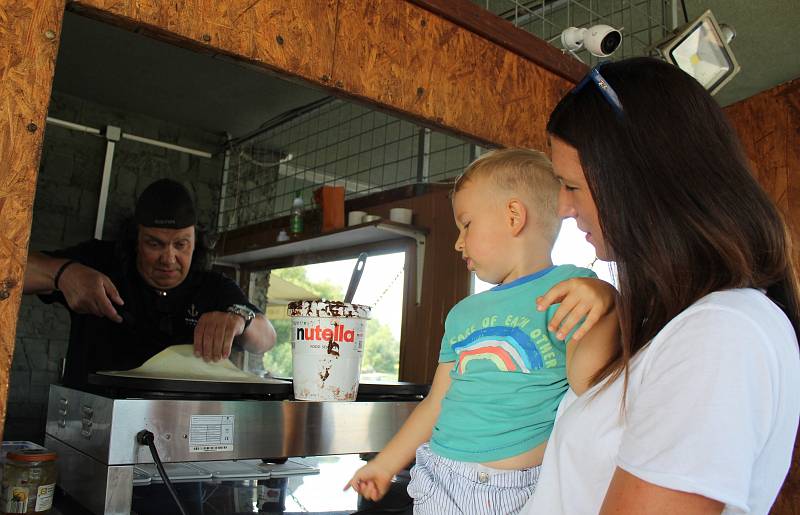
[509, 348]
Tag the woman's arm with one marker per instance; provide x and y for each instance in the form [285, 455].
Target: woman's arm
[585, 357]
[588, 304]
[629, 494]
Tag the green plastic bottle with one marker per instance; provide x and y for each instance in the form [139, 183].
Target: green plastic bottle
[296, 216]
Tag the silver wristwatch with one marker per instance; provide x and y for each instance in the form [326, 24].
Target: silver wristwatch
[243, 311]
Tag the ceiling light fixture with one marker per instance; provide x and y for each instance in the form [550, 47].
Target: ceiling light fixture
[700, 48]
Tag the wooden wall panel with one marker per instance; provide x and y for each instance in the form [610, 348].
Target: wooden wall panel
[762, 123]
[769, 127]
[406, 58]
[29, 36]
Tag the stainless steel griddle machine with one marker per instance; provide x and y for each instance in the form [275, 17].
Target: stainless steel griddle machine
[94, 431]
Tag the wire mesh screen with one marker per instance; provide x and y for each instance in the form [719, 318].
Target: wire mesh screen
[335, 143]
[642, 22]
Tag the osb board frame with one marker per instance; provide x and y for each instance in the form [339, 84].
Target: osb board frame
[29, 38]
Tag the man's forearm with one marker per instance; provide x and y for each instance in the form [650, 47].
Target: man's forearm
[259, 337]
[39, 272]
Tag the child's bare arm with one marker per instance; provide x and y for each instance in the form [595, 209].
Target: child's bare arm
[581, 298]
[372, 480]
[597, 338]
[418, 427]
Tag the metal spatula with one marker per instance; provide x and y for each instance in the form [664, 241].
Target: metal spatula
[356, 277]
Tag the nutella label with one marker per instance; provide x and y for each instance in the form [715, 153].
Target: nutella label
[327, 348]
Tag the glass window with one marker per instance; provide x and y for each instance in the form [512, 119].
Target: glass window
[381, 287]
[571, 248]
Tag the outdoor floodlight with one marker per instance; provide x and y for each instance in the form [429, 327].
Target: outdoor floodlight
[701, 49]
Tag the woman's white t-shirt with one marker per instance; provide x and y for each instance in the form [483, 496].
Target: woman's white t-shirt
[712, 408]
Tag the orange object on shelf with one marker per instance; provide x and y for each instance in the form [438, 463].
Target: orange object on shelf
[331, 201]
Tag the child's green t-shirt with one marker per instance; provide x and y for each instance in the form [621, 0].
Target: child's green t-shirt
[510, 371]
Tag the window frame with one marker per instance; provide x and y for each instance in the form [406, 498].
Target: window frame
[396, 245]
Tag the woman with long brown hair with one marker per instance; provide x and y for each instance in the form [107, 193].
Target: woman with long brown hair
[698, 410]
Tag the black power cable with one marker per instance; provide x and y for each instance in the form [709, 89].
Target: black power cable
[685, 15]
[145, 437]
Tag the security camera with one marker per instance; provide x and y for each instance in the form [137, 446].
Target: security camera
[599, 40]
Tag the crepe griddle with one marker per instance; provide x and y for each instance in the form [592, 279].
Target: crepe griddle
[148, 384]
[366, 391]
[392, 390]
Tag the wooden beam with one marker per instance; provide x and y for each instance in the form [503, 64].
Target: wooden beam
[29, 34]
[478, 20]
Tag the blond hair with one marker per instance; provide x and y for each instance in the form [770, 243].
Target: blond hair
[525, 172]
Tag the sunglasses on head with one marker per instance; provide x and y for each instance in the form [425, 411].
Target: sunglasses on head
[605, 88]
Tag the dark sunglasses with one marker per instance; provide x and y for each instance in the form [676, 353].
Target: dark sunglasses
[605, 88]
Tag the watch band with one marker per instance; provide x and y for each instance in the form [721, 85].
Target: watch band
[243, 311]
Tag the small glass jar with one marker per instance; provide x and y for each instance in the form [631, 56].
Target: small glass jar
[29, 481]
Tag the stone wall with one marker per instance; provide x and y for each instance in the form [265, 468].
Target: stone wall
[64, 214]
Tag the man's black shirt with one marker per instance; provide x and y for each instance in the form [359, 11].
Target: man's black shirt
[153, 319]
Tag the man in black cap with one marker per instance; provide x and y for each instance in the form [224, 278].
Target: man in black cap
[130, 300]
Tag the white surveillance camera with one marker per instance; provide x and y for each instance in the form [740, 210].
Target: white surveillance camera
[599, 40]
[602, 40]
[572, 38]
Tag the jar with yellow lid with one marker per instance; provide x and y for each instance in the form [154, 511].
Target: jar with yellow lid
[29, 481]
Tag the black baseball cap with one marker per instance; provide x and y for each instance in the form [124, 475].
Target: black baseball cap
[165, 204]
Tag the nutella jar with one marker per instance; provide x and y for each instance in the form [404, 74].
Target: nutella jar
[327, 348]
[29, 481]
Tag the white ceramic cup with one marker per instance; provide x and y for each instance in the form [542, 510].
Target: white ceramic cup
[401, 215]
[355, 218]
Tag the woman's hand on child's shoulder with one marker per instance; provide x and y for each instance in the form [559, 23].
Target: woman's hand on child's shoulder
[580, 297]
[370, 481]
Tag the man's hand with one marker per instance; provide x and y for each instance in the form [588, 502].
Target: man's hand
[214, 334]
[88, 291]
